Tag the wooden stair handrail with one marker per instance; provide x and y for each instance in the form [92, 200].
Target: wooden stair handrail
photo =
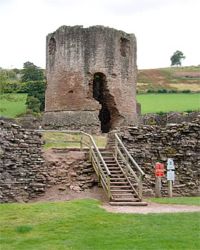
[129, 155]
[126, 158]
[98, 152]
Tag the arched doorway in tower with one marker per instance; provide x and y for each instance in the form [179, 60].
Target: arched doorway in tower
[101, 94]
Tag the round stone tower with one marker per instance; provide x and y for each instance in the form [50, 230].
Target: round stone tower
[91, 78]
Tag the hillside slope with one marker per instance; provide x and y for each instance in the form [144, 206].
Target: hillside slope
[174, 78]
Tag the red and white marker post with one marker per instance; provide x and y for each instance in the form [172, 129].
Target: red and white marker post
[159, 172]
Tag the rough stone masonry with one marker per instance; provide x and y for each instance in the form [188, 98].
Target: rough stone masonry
[26, 172]
[181, 142]
[91, 77]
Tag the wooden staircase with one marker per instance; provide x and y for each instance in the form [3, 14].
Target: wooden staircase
[122, 192]
[117, 172]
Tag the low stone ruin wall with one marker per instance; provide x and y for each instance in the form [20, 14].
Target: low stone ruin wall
[166, 118]
[181, 142]
[20, 162]
[74, 120]
[26, 172]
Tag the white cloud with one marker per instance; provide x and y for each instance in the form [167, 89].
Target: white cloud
[161, 27]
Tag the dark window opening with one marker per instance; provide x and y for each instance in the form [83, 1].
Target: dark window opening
[124, 46]
[52, 46]
[100, 93]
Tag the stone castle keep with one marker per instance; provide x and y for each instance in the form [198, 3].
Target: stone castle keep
[91, 77]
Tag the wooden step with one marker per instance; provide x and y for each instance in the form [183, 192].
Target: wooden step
[106, 153]
[117, 183]
[133, 203]
[117, 178]
[116, 171]
[123, 194]
[122, 190]
[113, 172]
[125, 188]
[124, 181]
[113, 165]
[114, 168]
[121, 186]
[118, 174]
[109, 157]
[125, 199]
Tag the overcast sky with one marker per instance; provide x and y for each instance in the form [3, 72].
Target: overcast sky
[161, 27]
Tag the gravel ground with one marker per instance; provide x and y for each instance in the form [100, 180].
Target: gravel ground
[152, 208]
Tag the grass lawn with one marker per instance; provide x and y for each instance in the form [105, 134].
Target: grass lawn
[178, 200]
[64, 140]
[152, 103]
[12, 105]
[83, 225]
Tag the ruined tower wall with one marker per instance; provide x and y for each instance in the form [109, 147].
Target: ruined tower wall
[74, 55]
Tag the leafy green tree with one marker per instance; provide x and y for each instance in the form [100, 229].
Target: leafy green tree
[34, 80]
[3, 81]
[31, 72]
[176, 58]
[9, 81]
[36, 89]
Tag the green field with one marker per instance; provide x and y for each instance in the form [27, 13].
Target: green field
[178, 200]
[12, 105]
[83, 225]
[153, 103]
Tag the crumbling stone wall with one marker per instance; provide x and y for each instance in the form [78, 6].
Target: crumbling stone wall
[166, 118]
[20, 163]
[151, 144]
[69, 169]
[90, 73]
[26, 172]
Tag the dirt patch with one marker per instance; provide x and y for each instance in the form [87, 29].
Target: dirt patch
[187, 74]
[152, 208]
[57, 194]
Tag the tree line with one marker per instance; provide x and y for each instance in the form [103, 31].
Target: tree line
[29, 80]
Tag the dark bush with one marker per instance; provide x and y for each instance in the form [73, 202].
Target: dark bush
[186, 91]
[161, 91]
[33, 104]
[37, 89]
